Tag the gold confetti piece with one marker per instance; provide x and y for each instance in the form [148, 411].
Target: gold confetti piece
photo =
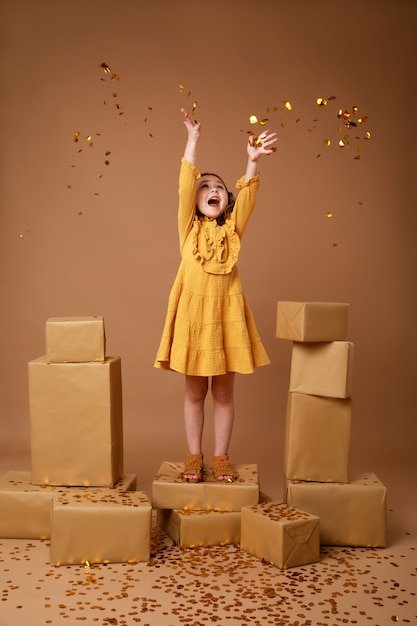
[181, 88]
[342, 143]
[287, 104]
[80, 213]
[322, 102]
[76, 135]
[194, 106]
[88, 137]
[367, 135]
[329, 214]
[263, 122]
[354, 109]
[114, 94]
[362, 120]
[105, 67]
[115, 77]
[69, 186]
[327, 142]
[253, 119]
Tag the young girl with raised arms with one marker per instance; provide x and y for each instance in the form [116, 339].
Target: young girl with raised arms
[209, 330]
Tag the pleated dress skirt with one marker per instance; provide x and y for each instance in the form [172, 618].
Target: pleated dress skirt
[209, 328]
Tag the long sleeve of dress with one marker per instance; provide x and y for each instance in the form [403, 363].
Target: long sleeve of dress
[187, 199]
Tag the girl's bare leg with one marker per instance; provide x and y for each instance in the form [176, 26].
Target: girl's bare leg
[222, 388]
[195, 394]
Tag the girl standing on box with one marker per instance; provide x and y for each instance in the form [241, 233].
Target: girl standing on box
[209, 330]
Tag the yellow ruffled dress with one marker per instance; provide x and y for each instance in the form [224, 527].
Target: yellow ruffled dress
[209, 328]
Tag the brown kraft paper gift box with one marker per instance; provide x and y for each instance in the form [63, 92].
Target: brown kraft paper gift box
[281, 535]
[312, 321]
[169, 491]
[351, 514]
[100, 525]
[190, 529]
[317, 438]
[75, 339]
[322, 369]
[76, 422]
[26, 509]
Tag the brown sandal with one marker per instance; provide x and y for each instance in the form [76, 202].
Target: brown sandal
[222, 470]
[193, 467]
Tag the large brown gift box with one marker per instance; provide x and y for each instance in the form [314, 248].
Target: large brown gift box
[351, 514]
[281, 535]
[190, 529]
[317, 438]
[169, 491]
[75, 339]
[76, 422]
[322, 369]
[312, 321]
[100, 525]
[26, 509]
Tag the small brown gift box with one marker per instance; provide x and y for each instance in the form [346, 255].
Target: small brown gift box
[75, 339]
[76, 422]
[351, 514]
[312, 321]
[190, 529]
[100, 525]
[317, 438]
[169, 491]
[322, 369]
[281, 535]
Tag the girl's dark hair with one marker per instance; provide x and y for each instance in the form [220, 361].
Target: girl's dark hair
[230, 201]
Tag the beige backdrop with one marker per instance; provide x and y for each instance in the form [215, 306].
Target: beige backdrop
[82, 237]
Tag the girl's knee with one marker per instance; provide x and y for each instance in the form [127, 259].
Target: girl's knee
[196, 388]
[222, 388]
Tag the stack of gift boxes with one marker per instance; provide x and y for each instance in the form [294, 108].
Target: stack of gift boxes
[215, 513]
[352, 510]
[76, 494]
[77, 486]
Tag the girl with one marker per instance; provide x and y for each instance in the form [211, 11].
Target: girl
[209, 331]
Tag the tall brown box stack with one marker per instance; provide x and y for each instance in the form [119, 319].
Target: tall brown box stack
[77, 483]
[318, 428]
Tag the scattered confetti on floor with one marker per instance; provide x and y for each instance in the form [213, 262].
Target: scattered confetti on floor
[216, 585]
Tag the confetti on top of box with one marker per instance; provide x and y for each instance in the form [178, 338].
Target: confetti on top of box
[312, 321]
[75, 339]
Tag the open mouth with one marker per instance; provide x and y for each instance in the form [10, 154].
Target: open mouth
[214, 202]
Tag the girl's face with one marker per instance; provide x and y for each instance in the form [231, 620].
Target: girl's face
[212, 197]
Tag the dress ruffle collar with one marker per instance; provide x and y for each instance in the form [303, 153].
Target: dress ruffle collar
[222, 245]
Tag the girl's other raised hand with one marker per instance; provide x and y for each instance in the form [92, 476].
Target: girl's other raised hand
[264, 144]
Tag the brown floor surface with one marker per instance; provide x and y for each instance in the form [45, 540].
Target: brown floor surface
[222, 585]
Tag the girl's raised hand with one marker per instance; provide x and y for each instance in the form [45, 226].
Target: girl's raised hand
[264, 144]
[193, 127]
